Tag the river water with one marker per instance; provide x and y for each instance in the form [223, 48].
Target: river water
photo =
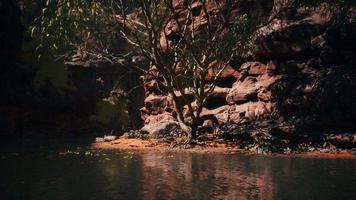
[62, 169]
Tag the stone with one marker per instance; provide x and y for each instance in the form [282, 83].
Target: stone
[347, 141]
[255, 110]
[160, 129]
[99, 139]
[266, 80]
[220, 92]
[228, 72]
[271, 67]
[156, 104]
[164, 117]
[289, 39]
[257, 68]
[152, 86]
[108, 138]
[237, 113]
[243, 92]
[208, 123]
[264, 95]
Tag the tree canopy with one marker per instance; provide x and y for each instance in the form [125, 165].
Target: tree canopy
[67, 25]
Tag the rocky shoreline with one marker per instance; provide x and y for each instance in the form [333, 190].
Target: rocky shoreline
[153, 145]
[210, 143]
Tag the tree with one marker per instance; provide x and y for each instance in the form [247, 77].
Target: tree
[64, 26]
[184, 56]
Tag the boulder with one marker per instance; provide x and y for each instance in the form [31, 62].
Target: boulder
[156, 104]
[237, 113]
[220, 92]
[158, 125]
[256, 68]
[160, 129]
[206, 112]
[264, 95]
[289, 39]
[255, 84]
[164, 117]
[266, 80]
[217, 98]
[228, 72]
[152, 86]
[208, 123]
[347, 141]
[243, 92]
[255, 110]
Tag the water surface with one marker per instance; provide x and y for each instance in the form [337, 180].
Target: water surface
[56, 169]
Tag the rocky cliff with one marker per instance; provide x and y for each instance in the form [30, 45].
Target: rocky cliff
[296, 85]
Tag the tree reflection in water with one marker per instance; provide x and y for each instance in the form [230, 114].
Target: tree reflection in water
[194, 176]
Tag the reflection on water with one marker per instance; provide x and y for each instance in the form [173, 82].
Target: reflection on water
[186, 176]
[72, 172]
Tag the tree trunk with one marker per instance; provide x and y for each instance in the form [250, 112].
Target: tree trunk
[181, 120]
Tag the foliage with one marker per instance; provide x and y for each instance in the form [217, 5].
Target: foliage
[66, 25]
[112, 109]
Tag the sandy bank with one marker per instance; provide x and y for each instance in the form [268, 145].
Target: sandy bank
[142, 145]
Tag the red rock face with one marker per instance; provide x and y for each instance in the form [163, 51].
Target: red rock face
[289, 76]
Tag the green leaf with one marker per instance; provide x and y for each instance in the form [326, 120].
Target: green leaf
[33, 31]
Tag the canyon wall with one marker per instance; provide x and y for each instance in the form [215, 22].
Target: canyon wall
[297, 82]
